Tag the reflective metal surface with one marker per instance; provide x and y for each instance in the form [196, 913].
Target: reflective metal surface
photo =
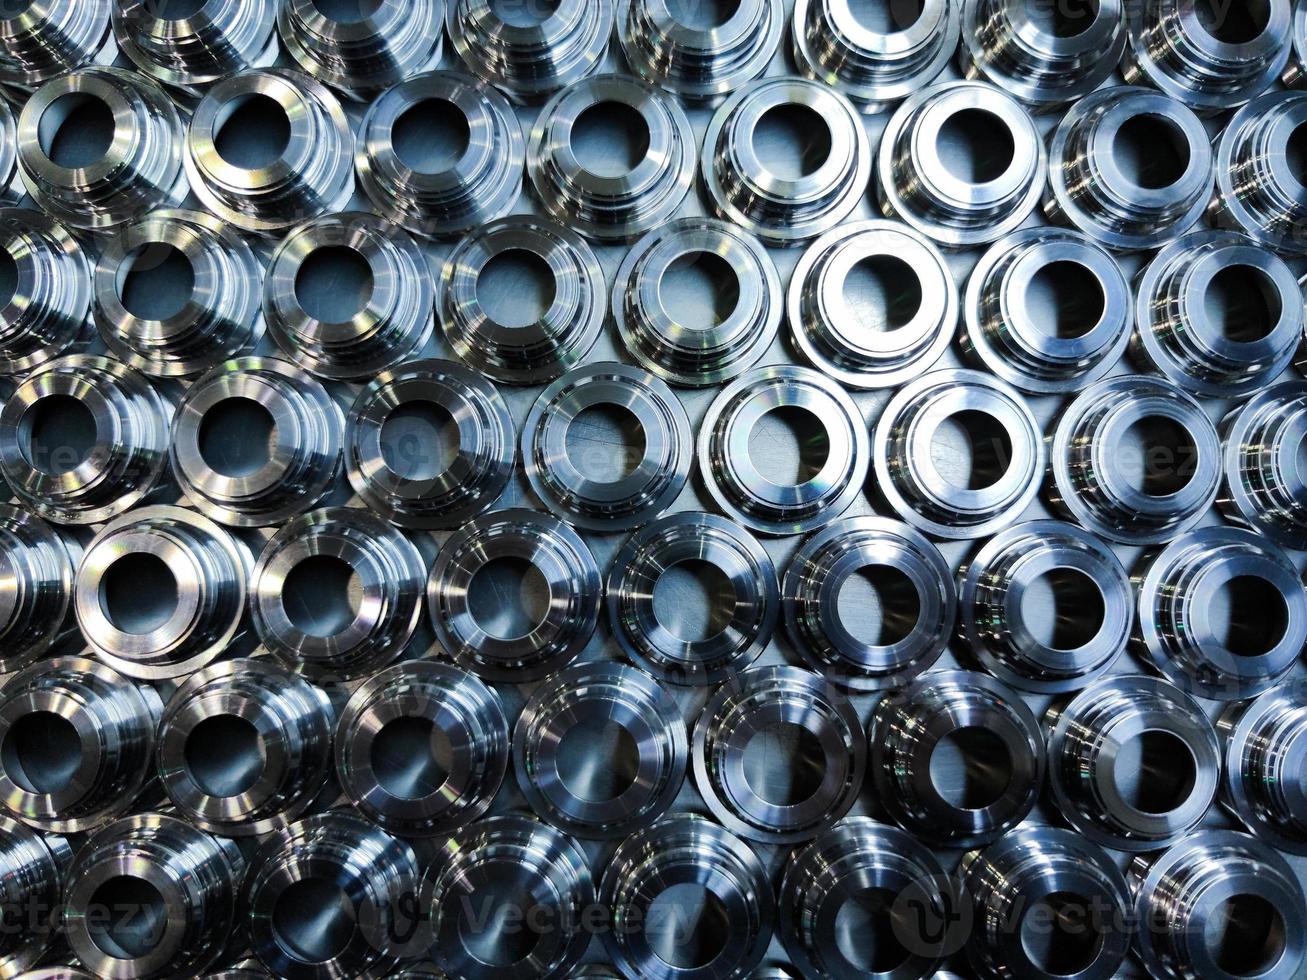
[1263, 488]
[36, 602]
[33, 866]
[55, 37]
[1262, 784]
[49, 311]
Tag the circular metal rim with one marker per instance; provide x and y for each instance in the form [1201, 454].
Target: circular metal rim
[36, 864]
[1261, 739]
[38, 565]
[1237, 433]
[1228, 206]
[71, 316]
[199, 50]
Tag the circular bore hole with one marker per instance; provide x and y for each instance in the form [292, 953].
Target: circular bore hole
[57, 434]
[334, 283]
[174, 9]
[130, 917]
[524, 13]
[494, 924]
[687, 926]
[1295, 153]
[419, 440]
[236, 437]
[322, 595]
[8, 278]
[882, 293]
[605, 442]
[138, 593]
[1059, 934]
[865, 933]
[971, 450]
[251, 132]
[1242, 304]
[1154, 772]
[1233, 21]
[699, 290]
[75, 130]
[971, 768]
[1063, 609]
[225, 755]
[508, 597]
[882, 17]
[41, 751]
[610, 139]
[156, 281]
[411, 758]
[1245, 935]
[1065, 300]
[702, 15]
[1062, 18]
[1248, 616]
[878, 605]
[792, 140]
[784, 764]
[1151, 151]
[515, 288]
[975, 146]
[431, 136]
[694, 600]
[598, 760]
[347, 11]
[789, 446]
[313, 920]
[1157, 456]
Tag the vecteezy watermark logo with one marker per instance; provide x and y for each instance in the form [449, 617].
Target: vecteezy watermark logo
[932, 917]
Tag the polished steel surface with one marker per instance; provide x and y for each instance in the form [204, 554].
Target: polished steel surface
[1263, 486]
[33, 867]
[41, 40]
[37, 563]
[1262, 783]
[49, 312]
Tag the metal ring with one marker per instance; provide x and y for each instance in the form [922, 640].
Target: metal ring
[556, 554]
[1080, 630]
[731, 476]
[78, 741]
[780, 209]
[986, 744]
[421, 792]
[747, 615]
[651, 485]
[691, 851]
[220, 318]
[1093, 189]
[49, 316]
[36, 605]
[530, 353]
[11, 186]
[34, 867]
[313, 172]
[1263, 488]
[1166, 744]
[245, 747]
[1047, 310]
[1091, 460]
[57, 37]
[150, 896]
[191, 574]
[910, 325]
[480, 183]
[1262, 781]
[303, 442]
[823, 769]
[575, 706]
[975, 205]
[1258, 186]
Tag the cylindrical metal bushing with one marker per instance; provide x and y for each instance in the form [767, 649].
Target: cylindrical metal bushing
[54, 279]
[36, 604]
[11, 186]
[957, 758]
[33, 867]
[1263, 781]
[55, 37]
[1295, 71]
[1259, 181]
[1264, 486]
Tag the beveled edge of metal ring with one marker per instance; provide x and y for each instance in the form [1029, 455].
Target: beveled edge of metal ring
[38, 563]
[37, 864]
[83, 33]
[1251, 436]
[57, 316]
[207, 45]
[1257, 191]
[1262, 778]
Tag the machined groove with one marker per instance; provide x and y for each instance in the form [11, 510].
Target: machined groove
[33, 866]
[57, 37]
[1263, 487]
[36, 605]
[1262, 782]
[50, 314]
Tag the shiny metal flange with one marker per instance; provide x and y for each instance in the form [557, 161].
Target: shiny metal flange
[874, 66]
[1133, 762]
[654, 478]
[1219, 904]
[1005, 453]
[1047, 310]
[1295, 71]
[917, 603]
[344, 632]
[36, 566]
[382, 44]
[691, 853]
[1136, 200]
[245, 747]
[33, 867]
[561, 768]
[312, 171]
[42, 459]
[530, 870]
[397, 477]
[556, 554]
[960, 204]
[1047, 903]
[523, 353]
[1135, 460]
[78, 740]
[695, 62]
[394, 319]
[151, 896]
[817, 779]
[1045, 606]
[731, 476]
[886, 345]
[389, 758]
[746, 617]
[219, 319]
[56, 37]
[1264, 487]
[957, 758]
[699, 354]
[50, 309]
[479, 182]
[530, 58]
[11, 187]
[287, 471]
[160, 592]
[1259, 181]
[1262, 781]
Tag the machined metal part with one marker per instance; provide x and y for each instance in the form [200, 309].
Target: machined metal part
[57, 37]
[1130, 167]
[532, 352]
[44, 459]
[1263, 487]
[1218, 904]
[384, 43]
[219, 319]
[11, 186]
[1047, 903]
[514, 539]
[655, 474]
[289, 426]
[36, 603]
[33, 867]
[686, 852]
[1047, 310]
[1134, 459]
[449, 196]
[393, 319]
[699, 63]
[50, 309]
[1133, 762]
[916, 607]
[388, 748]
[957, 758]
[960, 202]
[405, 480]
[160, 592]
[151, 896]
[817, 495]
[910, 323]
[1262, 778]
[309, 174]
[245, 747]
[78, 742]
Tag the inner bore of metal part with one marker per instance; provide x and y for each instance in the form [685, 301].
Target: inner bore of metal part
[1064, 19]
[1151, 151]
[1065, 300]
[251, 131]
[138, 593]
[41, 751]
[236, 437]
[1295, 153]
[784, 764]
[155, 281]
[430, 136]
[130, 918]
[971, 768]
[1063, 609]
[687, 926]
[322, 595]
[1233, 23]
[1157, 456]
[516, 288]
[524, 13]
[975, 146]
[419, 440]
[789, 446]
[334, 283]
[699, 290]
[347, 11]
[886, 18]
[1242, 303]
[56, 434]
[694, 600]
[597, 760]
[411, 757]
[1245, 935]
[225, 755]
[1155, 771]
[508, 597]
[1249, 616]
[492, 917]
[605, 442]
[312, 920]
[878, 605]
[1060, 933]
[971, 450]
[702, 15]
[882, 293]
[8, 277]
[174, 9]
[792, 140]
[75, 130]
[610, 139]
[865, 932]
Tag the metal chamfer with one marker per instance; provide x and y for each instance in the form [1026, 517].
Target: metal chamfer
[57, 37]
